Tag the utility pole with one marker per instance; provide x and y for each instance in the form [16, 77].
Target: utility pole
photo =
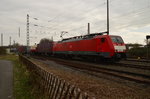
[19, 32]
[147, 38]
[147, 49]
[88, 28]
[14, 42]
[52, 38]
[10, 40]
[1, 39]
[28, 40]
[107, 17]
[10, 43]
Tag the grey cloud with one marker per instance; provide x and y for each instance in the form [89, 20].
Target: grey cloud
[73, 16]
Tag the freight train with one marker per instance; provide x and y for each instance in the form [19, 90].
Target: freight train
[97, 46]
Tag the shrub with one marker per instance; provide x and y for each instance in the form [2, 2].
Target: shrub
[2, 51]
[139, 52]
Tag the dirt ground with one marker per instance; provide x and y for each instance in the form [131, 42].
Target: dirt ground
[98, 87]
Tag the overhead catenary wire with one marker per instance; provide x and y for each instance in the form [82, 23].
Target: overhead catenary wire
[131, 12]
[70, 25]
[87, 10]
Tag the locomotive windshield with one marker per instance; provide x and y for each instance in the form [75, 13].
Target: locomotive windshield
[116, 39]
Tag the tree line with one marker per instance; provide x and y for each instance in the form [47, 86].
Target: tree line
[138, 50]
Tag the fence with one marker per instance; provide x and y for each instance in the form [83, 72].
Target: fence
[50, 85]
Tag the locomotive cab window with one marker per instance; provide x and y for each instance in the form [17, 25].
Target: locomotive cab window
[117, 39]
[103, 40]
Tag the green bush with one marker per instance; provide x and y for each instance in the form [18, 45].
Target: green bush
[138, 52]
[2, 51]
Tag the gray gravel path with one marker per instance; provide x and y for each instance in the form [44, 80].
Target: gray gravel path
[6, 79]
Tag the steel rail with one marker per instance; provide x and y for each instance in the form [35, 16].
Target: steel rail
[136, 77]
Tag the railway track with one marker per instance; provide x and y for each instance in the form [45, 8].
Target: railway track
[95, 69]
[136, 65]
[141, 60]
[124, 64]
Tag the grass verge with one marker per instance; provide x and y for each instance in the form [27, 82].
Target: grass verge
[22, 87]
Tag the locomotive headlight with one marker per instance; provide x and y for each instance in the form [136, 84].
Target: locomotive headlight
[120, 48]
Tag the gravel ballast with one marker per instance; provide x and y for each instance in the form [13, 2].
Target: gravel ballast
[98, 87]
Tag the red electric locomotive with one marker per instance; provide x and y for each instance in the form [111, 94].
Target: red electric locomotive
[95, 46]
[33, 49]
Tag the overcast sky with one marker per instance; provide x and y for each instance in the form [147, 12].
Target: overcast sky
[128, 18]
